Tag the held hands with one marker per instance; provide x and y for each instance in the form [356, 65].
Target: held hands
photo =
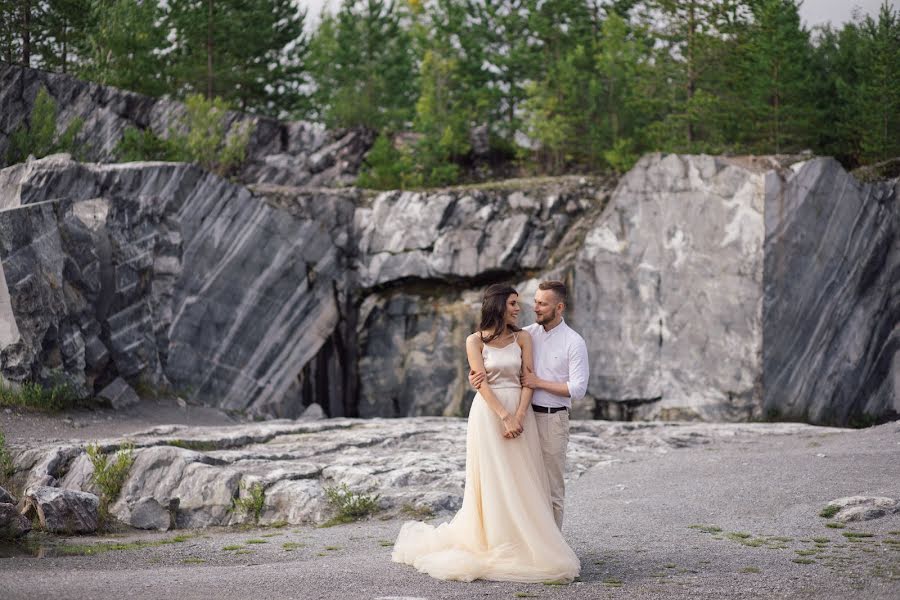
[512, 425]
[529, 379]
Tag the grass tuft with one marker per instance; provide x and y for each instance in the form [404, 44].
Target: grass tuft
[197, 445]
[421, 512]
[802, 561]
[109, 475]
[232, 547]
[750, 570]
[348, 505]
[856, 534]
[835, 525]
[706, 528]
[385, 543]
[256, 541]
[829, 511]
[253, 502]
[35, 396]
[193, 560]
[291, 546]
[821, 540]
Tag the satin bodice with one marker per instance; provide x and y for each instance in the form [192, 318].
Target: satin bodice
[503, 365]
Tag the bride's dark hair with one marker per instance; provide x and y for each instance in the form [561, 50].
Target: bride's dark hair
[493, 307]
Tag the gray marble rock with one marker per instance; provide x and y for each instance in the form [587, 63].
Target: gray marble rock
[13, 524]
[119, 394]
[63, 511]
[414, 464]
[456, 234]
[671, 277]
[831, 296]
[164, 274]
[734, 289]
[288, 153]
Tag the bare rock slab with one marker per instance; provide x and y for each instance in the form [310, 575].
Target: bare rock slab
[63, 511]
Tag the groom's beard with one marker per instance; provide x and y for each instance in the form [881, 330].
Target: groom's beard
[547, 317]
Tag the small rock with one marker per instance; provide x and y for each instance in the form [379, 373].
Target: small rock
[119, 394]
[6, 497]
[864, 508]
[12, 523]
[859, 513]
[313, 412]
[63, 511]
[7, 411]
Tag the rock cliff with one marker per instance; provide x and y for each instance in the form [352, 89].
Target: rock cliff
[287, 153]
[705, 287]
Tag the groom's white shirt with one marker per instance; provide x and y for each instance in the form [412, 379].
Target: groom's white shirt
[559, 355]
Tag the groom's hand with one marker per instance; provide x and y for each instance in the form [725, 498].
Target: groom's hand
[476, 379]
[529, 379]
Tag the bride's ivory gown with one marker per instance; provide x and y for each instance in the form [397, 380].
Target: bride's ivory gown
[505, 530]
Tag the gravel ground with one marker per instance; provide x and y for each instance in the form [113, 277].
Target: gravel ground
[629, 522]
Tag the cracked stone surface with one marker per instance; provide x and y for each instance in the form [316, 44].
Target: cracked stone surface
[412, 464]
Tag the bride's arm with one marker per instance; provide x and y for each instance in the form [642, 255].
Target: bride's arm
[527, 367]
[474, 346]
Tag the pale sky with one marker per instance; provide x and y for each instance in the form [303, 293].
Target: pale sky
[813, 12]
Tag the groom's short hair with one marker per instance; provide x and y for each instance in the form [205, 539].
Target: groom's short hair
[558, 287]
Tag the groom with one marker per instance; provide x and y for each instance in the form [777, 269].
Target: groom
[561, 375]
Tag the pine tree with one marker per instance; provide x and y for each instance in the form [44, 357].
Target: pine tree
[362, 65]
[877, 118]
[248, 52]
[121, 48]
[776, 67]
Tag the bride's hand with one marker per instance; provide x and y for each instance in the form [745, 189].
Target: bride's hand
[512, 426]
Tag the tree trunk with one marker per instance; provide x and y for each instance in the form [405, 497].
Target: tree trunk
[209, 51]
[26, 33]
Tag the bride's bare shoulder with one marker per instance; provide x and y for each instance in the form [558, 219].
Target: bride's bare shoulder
[474, 338]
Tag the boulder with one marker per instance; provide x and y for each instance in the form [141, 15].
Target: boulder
[13, 524]
[63, 511]
[147, 513]
[119, 394]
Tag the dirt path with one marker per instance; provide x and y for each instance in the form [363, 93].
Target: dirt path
[630, 523]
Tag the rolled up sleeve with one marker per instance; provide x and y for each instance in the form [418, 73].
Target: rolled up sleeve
[578, 368]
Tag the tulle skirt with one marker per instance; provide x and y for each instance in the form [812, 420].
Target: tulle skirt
[505, 530]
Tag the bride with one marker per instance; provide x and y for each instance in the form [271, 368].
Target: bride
[505, 530]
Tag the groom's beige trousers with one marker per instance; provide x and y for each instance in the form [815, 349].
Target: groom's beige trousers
[553, 429]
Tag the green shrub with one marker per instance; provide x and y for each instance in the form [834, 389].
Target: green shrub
[621, 157]
[385, 167]
[349, 506]
[140, 145]
[37, 135]
[201, 137]
[33, 395]
[109, 475]
[252, 503]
